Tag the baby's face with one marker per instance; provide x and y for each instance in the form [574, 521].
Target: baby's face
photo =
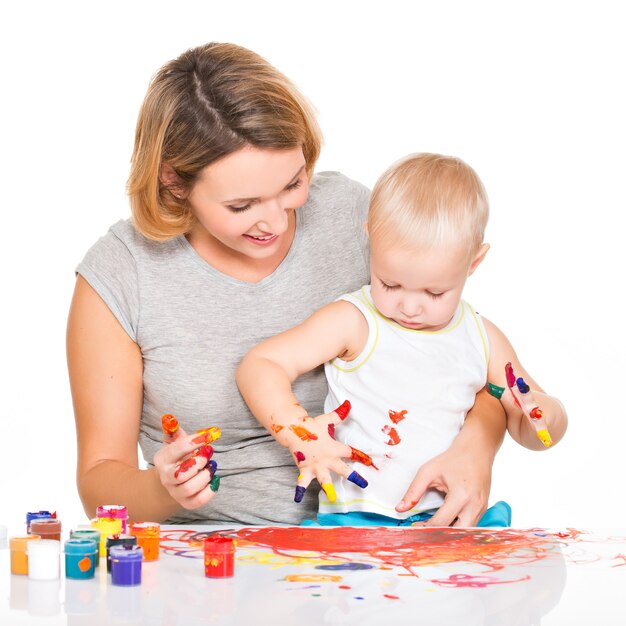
[418, 290]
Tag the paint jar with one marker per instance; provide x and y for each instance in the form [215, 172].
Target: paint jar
[219, 557]
[92, 534]
[3, 537]
[33, 515]
[46, 528]
[118, 540]
[19, 557]
[113, 511]
[126, 565]
[148, 537]
[44, 562]
[107, 526]
[80, 558]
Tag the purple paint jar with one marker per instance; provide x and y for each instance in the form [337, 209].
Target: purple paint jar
[126, 565]
[118, 540]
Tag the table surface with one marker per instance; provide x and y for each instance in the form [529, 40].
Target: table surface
[299, 576]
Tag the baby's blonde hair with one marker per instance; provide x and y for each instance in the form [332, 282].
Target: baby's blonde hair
[427, 200]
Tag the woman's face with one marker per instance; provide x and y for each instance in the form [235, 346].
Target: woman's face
[244, 203]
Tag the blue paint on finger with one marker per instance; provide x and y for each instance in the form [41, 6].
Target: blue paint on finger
[211, 466]
[357, 479]
[522, 386]
[299, 494]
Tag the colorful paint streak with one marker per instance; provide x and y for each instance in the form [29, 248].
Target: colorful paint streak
[169, 424]
[303, 433]
[397, 416]
[361, 457]
[343, 410]
[210, 434]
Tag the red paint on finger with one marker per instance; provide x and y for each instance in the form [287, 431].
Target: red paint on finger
[536, 413]
[169, 424]
[303, 433]
[361, 457]
[299, 456]
[394, 438]
[331, 430]
[397, 416]
[185, 466]
[343, 410]
[510, 376]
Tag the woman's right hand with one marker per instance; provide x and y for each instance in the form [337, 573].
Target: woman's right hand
[311, 441]
[184, 464]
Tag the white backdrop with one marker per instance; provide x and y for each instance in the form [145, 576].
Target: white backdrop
[531, 94]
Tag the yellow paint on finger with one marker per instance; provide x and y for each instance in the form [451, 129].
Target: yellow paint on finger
[329, 490]
[213, 433]
[544, 435]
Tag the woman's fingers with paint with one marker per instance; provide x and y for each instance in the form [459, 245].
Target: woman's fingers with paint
[196, 491]
[171, 428]
[525, 401]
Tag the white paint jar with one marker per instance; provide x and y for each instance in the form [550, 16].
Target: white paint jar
[44, 559]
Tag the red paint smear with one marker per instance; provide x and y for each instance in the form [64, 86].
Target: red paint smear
[185, 466]
[394, 438]
[475, 582]
[361, 457]
[345, 587]
[408, 547]
[510, 376]
[343, 410]
[303, 433]
[331, 430]
[536, 413]
[169, 424]
[397, 416]
[299, 456]
[386, 595]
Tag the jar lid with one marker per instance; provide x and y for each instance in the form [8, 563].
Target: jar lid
[19, 543]
[45, 526]
[44, 546]
[121, 540]
[125, 553]
[30, 516]
[80, 546]
[112, 510]
[219, 544]
[146, 527]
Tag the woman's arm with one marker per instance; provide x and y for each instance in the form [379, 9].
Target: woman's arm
[463, 471]
[106, 369]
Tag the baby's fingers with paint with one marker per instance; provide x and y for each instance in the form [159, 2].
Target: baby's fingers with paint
[317, 453]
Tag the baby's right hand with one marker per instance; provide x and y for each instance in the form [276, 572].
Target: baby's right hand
[311, 441]
[182, 461]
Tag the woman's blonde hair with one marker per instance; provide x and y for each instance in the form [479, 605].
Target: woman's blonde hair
[207, 103]
[427, 200]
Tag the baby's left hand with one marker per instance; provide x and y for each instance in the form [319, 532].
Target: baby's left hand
[521, 399]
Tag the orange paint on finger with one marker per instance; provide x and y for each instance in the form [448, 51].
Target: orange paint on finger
[303, 433]
[276, 428]
[169, 424]
[361, 457]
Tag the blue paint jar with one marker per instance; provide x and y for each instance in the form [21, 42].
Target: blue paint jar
[80, 558]
[118, 540]
[93, 534]
[126, 565]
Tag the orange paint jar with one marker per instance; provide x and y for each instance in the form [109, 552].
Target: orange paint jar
[19, 558]
[148, 537]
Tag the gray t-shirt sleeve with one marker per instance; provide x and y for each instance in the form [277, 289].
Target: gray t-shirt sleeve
[110, 269]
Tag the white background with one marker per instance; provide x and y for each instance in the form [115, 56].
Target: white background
[531, 94]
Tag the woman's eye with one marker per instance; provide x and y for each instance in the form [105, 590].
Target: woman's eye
[239, 209]
[294, 186]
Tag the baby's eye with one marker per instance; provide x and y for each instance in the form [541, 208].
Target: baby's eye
[388, 287]
[434, 296]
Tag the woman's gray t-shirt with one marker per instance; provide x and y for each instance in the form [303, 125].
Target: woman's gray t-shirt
[194, 325]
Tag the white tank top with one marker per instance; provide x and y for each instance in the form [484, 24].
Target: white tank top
[410, 391]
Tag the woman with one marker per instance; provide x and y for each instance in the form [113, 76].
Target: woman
[232, 240]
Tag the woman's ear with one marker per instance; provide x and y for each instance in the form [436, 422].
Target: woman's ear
[478, 258]
[171, 180]
[366, 229]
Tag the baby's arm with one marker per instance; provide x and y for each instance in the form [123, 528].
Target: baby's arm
[519, 411]
[265, 375]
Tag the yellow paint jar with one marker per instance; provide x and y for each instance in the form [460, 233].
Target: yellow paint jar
[107, 526]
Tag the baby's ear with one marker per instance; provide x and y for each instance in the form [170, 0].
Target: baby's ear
[478, 258]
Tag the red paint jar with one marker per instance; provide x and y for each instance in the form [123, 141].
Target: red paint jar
[219, 557]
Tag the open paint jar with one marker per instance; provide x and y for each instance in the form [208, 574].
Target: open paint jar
[80, 558]
[219, 557]
[126, 565]
[91, 534]
[49, 528]
[113, 511]
[44, 559]
[112, 541]
[148, 536]
[19, 557]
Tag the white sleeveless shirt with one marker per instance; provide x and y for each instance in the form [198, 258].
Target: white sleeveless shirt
[410, 391]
